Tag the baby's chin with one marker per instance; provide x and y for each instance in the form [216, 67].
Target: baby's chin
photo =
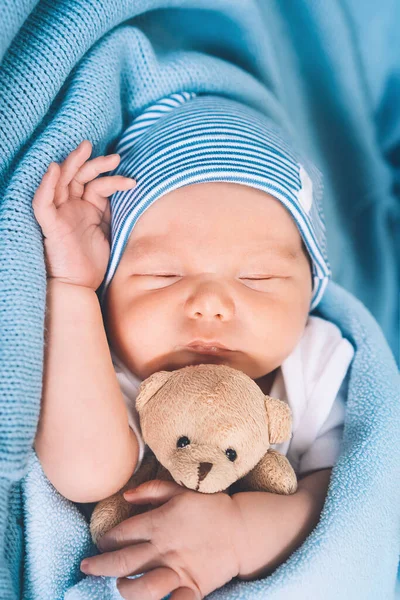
[236, 360]
[199, 359]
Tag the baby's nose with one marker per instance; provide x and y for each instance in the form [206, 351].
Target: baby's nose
[210, 300]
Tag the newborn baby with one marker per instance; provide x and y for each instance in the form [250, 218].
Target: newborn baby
[217, 256]
[218, 271]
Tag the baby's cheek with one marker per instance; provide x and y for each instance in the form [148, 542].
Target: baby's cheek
[292, 327]
[150, 329]
[285, 326]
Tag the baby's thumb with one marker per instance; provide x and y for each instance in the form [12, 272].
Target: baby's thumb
[106, 186]
[154, 492]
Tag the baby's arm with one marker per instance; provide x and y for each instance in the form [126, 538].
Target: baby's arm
[83, 441]
[277, 525]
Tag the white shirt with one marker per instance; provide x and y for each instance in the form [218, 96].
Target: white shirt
[312, 380]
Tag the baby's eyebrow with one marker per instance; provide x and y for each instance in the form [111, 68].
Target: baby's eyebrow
[281, 251]
[147, 246]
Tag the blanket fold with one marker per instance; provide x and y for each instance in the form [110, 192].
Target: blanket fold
[73, 69]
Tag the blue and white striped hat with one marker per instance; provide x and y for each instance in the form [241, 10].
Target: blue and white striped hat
[187, 138]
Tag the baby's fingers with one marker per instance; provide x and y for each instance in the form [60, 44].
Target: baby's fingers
[105, 186]
[90, 170]
[70, 168]
[97, 191]
[43, 205]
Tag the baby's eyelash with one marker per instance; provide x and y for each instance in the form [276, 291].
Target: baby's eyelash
[257, 278]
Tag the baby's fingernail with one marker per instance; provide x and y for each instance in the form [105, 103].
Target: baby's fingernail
[84, 565]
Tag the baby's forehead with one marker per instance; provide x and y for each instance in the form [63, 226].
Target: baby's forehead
[223, 212]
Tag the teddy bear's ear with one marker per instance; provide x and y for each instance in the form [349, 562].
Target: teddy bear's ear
[150, 386]
[279, 420]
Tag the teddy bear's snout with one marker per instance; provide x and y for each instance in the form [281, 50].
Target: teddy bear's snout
[204, 469]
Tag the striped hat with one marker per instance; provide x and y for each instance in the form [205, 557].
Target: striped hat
[187, 138]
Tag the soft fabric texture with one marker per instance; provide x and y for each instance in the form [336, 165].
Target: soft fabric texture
[325, 71]
[313, 382]
[187, 139]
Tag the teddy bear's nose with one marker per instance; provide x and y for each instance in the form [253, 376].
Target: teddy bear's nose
[204, 469]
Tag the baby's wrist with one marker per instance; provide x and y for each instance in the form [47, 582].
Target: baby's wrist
[240, 527]
[274, 525]
[64, 282]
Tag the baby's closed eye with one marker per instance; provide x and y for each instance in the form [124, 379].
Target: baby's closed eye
[262, 282]
[257, 282]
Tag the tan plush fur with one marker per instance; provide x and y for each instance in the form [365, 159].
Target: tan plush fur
[217, 408]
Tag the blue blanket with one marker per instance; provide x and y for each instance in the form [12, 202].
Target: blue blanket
[328, 72]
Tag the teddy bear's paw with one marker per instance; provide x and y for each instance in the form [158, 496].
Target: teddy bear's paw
[273, 473]
[280, 473]
[108, 513]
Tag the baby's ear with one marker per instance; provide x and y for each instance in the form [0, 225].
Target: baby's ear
[150, 386]
[279, 420]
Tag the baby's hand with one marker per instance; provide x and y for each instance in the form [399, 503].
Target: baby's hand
[72, 208]
[190, 544]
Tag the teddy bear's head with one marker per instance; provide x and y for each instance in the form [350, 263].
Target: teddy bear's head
[208, 424]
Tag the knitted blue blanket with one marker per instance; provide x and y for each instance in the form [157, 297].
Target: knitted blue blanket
[328, 73]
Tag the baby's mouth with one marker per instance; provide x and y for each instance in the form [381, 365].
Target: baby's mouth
[214, 350]
[213, 347]
[198, 354]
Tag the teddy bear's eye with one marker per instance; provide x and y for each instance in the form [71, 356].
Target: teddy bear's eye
[231, 454]
[182, 442]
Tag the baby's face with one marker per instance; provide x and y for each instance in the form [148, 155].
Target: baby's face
[217, 262]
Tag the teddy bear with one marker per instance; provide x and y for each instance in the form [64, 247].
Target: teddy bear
[209, 428]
